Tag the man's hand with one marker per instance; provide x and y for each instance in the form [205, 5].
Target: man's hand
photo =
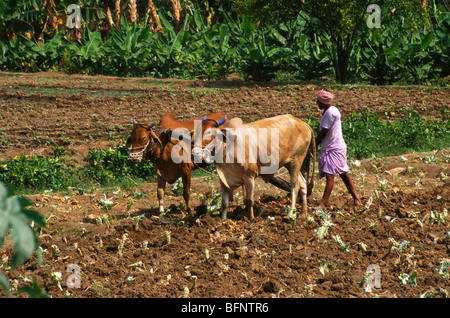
[321, 135]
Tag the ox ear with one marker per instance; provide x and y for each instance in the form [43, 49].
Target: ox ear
[220, 122]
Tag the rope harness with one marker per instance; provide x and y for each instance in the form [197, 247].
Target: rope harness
[138, 156]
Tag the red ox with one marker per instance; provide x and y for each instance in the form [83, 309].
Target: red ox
[156, 145]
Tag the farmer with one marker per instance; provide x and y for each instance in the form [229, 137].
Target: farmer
[333, 157]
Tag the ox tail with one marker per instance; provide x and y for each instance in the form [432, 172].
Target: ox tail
[312, 153]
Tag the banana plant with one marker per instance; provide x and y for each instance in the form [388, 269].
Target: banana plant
[127, 48]
[17, 17]
[25, 53]
[86, 49]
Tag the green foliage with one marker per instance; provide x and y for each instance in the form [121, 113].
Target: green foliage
[15, 215]
[104, 167]
[391, 56]
[34, 291]
[365, 132]
[306, 46]
[127, 50]
[268, 10]
[16, 17]
[77, 55]
[111, 165]
[36, 173]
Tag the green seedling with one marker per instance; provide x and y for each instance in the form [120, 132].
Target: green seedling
[435, 292]
[57, 277]
[177, 188]
[292, 215]
[326, 223]
[138, 220]
[407, 279]
[106, 203]
[167, 236]
[438, 218]
[344, 247]
[443, 270]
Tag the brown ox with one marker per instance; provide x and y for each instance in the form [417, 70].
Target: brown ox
[156, 145]
[289, 140]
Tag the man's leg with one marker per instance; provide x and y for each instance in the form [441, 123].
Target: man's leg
[327, 191]
[351, 187]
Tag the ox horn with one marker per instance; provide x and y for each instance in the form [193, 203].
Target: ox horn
[220, 122]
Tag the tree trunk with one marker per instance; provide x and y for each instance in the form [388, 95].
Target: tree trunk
[133, 11]
[176, 14]
[109, 17]
[156, 23]
[117, 12]
[342, 62]
[51, 15]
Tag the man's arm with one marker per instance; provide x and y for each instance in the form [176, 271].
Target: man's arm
[321, 135]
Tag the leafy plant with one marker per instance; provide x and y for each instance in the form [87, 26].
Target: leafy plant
[292, 215]
[212, 202]
[106, 203]
[177, 188]
[364, 132]
[443, 269]
[306, 45]
[438, 218]
[407, 279]
[326, 223]
[15, 215]
[344, 247]
[36, 172]
[112, 165]
[83, 54]
[127, 49]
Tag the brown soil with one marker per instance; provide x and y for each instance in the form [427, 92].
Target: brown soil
[269, 257]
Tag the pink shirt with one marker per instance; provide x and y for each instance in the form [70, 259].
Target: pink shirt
[331, 119]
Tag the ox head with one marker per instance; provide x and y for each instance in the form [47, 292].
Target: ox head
[142, 140]
[210, 129]
[209, 125]
[204, 135]
[212, 122]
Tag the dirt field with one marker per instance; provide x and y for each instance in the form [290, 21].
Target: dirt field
[402, 229]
